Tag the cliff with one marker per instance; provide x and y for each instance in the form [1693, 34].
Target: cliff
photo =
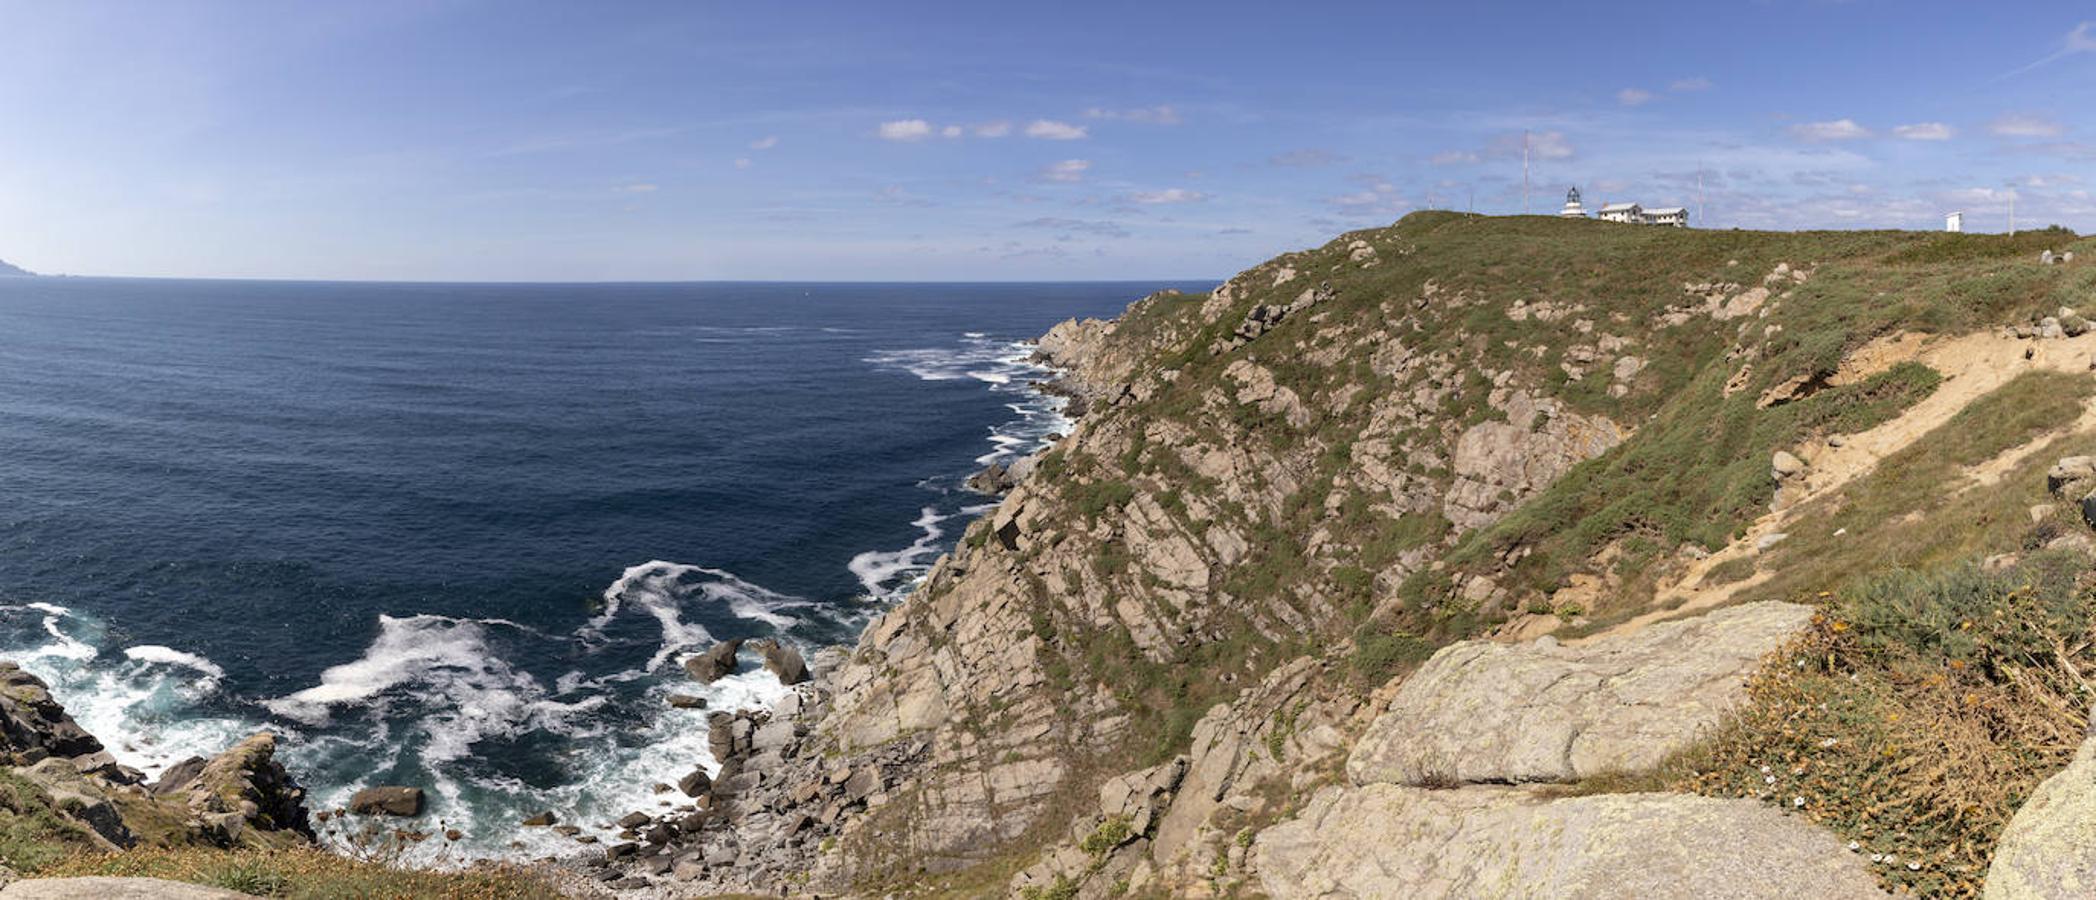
[1406, 513]
[6, 269]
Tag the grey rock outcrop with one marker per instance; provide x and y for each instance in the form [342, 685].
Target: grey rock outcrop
[716, 663]
[243, 788]
[783, 661]
[1389, 841]
[1480, 711]
[1499, 463]
[34, 726]
[2048, 851]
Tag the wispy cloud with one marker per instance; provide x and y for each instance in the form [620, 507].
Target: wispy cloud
[1069, 227]
[1633, 96]
[1307, 158]
[743, 163]
[765, 143]
[2025, 125]
[1541, 145]
[1066, 171]
[1167, 196]
[1690, 85]
[993, 129]
[1925, 131]
[1836, 130]
[1453, 158]
[635, 188]
[1153, 115]
[1051, 130]
[1377, 197]
[2080, 40]
[905, 130]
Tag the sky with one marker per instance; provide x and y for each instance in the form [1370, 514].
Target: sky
[517, 140]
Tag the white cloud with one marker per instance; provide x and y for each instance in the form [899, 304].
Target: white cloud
[950, 132]
[2021, 125]
[1453, 158]
[1051, 130]
[906, 130]
[765, 143]
[1067, 170]
[1690, 85]
[742, 163]
[1633, 96]
[1377, 197]
[1154, 115]
[1925, 131]
[993, 129]
[1168, 195]
[1836, 130]
[637, 188]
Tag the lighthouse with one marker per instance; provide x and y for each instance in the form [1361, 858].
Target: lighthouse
[1572, 208]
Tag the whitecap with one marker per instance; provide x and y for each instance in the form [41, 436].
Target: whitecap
[155, 653]
[661, 589]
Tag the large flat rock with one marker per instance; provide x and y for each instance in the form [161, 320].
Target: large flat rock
[2048, 852]
[1480, 711]
[1385, 840]
[99, 888]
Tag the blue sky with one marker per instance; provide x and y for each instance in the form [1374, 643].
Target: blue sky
[934, 141]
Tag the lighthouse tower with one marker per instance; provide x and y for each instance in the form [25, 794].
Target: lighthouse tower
[1572, 208]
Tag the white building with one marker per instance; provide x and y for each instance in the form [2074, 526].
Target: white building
[1622, 212]
[1672, 215]
[1633, 214]
[1572, 209]
[1955, 222]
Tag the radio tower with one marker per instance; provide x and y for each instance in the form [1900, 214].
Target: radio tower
[1524, 173]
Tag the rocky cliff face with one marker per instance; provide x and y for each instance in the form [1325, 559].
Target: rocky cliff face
[1203, 607]
[240, 798]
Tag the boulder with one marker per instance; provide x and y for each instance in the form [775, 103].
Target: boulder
[687, 701]
[2072, 478]
[784, 661]
[2048, 851]
[696, 784]
[1784, 465]
[542, 820]
[1384, 840]
[716, 663]
[1480, 711]
[634, 820]
[387, 800]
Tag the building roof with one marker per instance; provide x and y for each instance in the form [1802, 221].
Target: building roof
[1619, 207]
[1666, 211]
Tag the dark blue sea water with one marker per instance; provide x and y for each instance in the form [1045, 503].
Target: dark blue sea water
[458, 536]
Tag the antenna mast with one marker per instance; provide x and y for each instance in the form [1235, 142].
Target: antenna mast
[1702, 208]
[1524, 172]
[2012, 213]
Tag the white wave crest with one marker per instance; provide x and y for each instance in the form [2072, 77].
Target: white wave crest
[155, 653]
[661, 589]
[886, 575]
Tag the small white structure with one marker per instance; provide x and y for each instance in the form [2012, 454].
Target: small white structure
[1572, 209]
[1954, 223]
[1622, 212]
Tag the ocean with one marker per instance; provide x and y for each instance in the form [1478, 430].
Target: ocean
[458, 536]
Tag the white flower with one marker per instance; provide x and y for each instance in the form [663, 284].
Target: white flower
[1797, 801]
[1770, 779]
[1828, 743]
[1877, 857]
[1914, 867]
[1764, 770]
[1854, 846]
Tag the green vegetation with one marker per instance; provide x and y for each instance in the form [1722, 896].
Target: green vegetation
[304, 874]
[1918, 715]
